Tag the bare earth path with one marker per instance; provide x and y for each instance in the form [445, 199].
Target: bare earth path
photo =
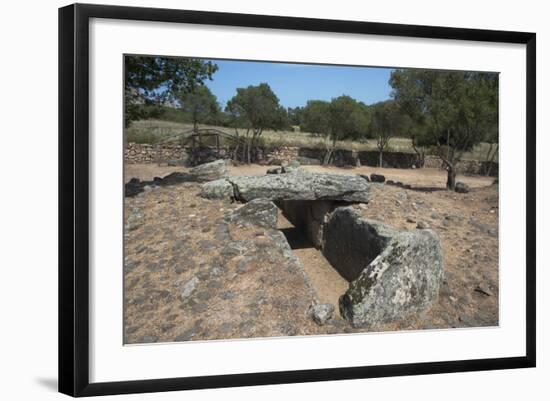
[326, 281]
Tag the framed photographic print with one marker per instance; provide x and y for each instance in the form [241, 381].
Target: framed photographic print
[250, 199]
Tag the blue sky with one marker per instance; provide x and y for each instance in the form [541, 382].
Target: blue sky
[295, 84]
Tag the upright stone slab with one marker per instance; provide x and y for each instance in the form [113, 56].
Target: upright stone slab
[393, 273]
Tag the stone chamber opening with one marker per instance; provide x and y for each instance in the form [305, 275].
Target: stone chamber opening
[332, 254]
[325, 279]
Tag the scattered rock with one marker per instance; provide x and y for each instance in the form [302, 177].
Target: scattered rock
[135, 219]
[173, 179]
[411, 219]
[402, 196]
[188, 264]
[462, 188]
[483, 289]
[186, 335]
[260, 212]
[209, 171]
[274, 170]
[321, 313]
[217, 189]
[422, 225]
[377, 178]
[149, 339]
[188, 288]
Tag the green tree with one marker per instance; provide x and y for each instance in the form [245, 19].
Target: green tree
[200, 104]
[157, 81]
[456, 110]
[388, 121]
[315, 118]
[347, 119]
[254, 109]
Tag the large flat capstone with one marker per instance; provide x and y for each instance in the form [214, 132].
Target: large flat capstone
[393, 273]
[302, 185]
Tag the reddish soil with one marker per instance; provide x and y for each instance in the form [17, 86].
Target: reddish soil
[177, 238]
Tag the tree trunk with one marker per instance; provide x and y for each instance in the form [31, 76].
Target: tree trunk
[451, 177]
[380, 156]
[491, 161]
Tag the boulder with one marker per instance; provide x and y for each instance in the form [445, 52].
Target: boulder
[133, 187]
[377, 178]
[260, 212]
[209, 171]
[392, 273]
[217, 189]
[302, 185]
[174, 178]
[462, 188]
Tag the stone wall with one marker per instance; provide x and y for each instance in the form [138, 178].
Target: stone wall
[145, 153]
[178, 155]
[465, 166]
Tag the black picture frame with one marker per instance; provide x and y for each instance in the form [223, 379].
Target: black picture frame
[74, 200]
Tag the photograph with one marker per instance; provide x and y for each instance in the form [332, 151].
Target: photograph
[276, 199]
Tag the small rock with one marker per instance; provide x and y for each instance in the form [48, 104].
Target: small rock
[411, 219]
[401, 196]
[462, 188]
[321, 313]
[188, 288]
[149, 339]
[135, 219]
[422, 225]
[186, 335]
[274, 170]
[483, 289]
[377, 178]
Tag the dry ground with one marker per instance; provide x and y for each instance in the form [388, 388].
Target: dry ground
[179, 238]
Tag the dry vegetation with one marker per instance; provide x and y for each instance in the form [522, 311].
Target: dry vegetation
[153, 131]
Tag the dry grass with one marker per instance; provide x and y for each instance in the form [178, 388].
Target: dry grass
[153, 131]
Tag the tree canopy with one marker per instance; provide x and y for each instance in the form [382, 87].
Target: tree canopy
[200, 104]
[388, 120]
[158, 80]
[456, 110]
[254, 109]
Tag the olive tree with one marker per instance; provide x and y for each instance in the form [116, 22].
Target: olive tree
[388, 121]
[200, 105]
[254, 109]
[456, 110]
